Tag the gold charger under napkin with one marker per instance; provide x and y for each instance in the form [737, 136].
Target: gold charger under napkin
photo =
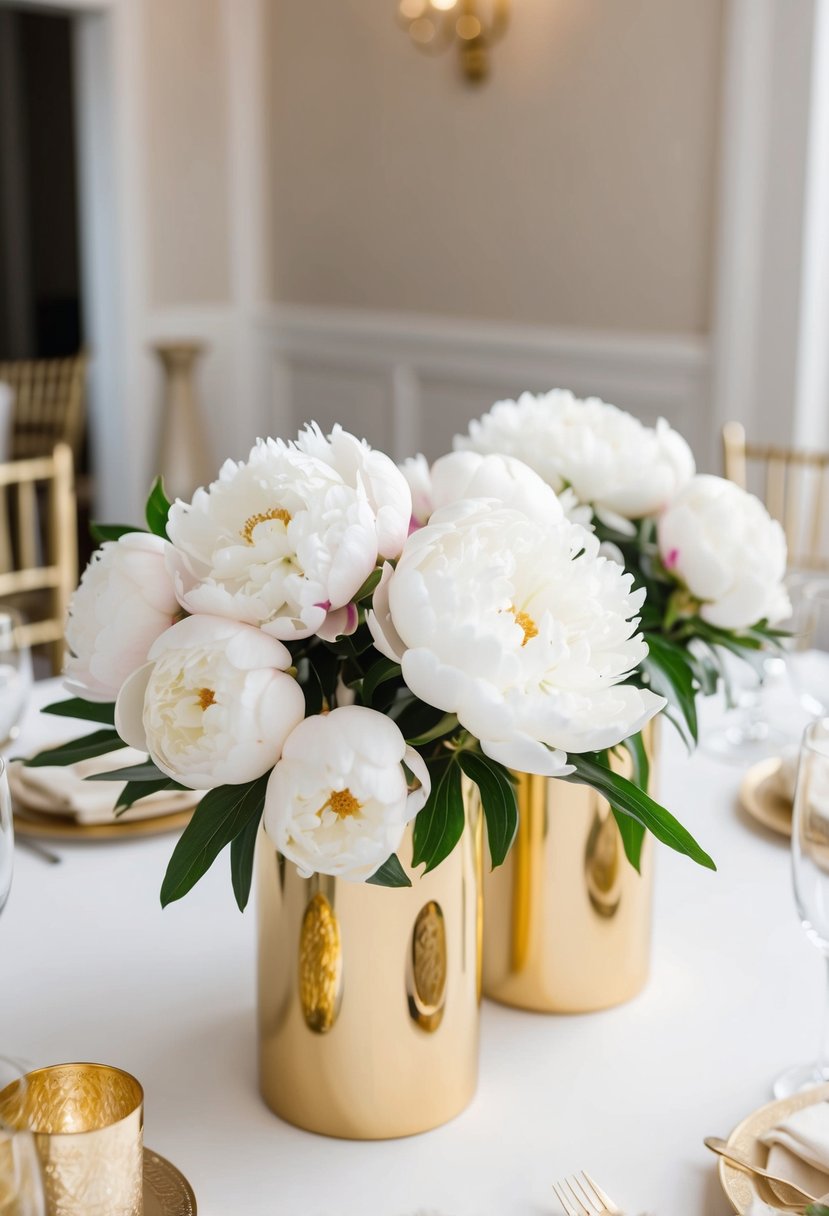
[798, 1150]
[64, 792]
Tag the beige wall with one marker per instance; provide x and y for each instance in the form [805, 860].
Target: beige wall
[187, 154]
[576, 188]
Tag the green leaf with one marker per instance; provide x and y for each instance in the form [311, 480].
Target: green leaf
[242, 850]
[633, 837]
[134, 791]
[390, 874]
[439, 826]
[102, 532]
[158, 508]
[146, 771]
[220, 816]
[379, 674]
[628, 799]
[90, 711]
[368, 586]
[498, 801]
[671, 675]
[445, 726]
[97, 744]
[309, 681]
[635, 746]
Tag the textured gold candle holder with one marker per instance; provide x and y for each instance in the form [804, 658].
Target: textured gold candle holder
[567, 918]
[369, 997]
[87, 1121]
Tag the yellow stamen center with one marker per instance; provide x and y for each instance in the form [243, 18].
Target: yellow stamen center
[342, 803]
[207, 697]
[255, 520]
[527, 624]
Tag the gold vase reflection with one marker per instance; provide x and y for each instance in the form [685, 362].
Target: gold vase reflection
[567, 925]
[369, 997]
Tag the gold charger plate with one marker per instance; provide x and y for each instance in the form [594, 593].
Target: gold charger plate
[166, 1191]
[54, 827]
[742, 1188]
[760, 798]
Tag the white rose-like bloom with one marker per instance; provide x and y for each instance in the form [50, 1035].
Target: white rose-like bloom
[521, 630]
[721, 542]
[215, 704]
[125, 600]
[338, 801]
[287, 537]
[623, 469]
[470, 475]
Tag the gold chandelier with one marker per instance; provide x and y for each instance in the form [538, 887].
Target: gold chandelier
[472, 26]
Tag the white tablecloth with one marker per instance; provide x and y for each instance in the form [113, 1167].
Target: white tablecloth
[92, 969]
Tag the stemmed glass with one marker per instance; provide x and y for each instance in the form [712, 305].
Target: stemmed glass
[810, 875]
[21, 1180]
[15, 674]
[808, 661]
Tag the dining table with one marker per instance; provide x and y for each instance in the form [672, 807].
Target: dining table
[92, 968]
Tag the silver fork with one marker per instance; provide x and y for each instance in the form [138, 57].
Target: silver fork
[579, 1195]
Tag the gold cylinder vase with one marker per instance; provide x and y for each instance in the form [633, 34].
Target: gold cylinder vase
[567, 919]
[369, 996]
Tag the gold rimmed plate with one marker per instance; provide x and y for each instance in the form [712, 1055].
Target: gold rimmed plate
[45, 826]
[166, 1191]
[742, 1188]
[761, 799]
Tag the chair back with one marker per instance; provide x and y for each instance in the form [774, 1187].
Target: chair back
[49, 397]
[39, 545]
[793, 484]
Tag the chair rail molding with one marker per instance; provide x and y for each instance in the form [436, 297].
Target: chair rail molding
[409, 382]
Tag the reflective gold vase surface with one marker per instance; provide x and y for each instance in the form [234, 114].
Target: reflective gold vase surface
[368, 996]
[567, 920]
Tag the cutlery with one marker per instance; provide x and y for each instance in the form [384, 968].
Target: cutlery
[39, 850]
[784, 1190]
[579, 1195]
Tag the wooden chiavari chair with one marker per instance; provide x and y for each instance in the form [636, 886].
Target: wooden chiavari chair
[793, 484]
[49, 397]
[39, 545]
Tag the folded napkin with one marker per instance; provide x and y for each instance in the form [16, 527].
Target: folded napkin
[64, 791]
[799, 1152]
[785, 778]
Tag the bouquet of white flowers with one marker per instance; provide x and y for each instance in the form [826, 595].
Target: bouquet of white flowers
[308, 648]
[704, 554]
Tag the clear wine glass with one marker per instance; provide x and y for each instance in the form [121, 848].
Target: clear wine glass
[6, 836]
[15, 674]
[21, 1180]
[808, 659]
[810, 875]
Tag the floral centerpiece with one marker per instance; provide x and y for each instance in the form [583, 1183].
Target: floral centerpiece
[309, 647]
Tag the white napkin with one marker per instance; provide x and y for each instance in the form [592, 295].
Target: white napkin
[784, 780]
[799, 1152]
[62, 791]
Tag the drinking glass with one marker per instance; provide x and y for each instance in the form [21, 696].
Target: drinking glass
[810, 876]
[6, 837]
[21, 1179]
[808, 660]
[15, 674]
[746, 735]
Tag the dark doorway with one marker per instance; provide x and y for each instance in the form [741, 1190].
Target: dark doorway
[40, 291]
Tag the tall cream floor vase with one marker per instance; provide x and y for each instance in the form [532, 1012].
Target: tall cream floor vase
[184, 458]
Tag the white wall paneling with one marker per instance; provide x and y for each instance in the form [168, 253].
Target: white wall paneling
[408, 383]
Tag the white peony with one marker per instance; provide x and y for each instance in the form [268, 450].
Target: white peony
[214, 705]
[286, 539]
[338, 801]
[470, 475]
[125, 600]
[723, 545]
[623, 469]
[521, 630]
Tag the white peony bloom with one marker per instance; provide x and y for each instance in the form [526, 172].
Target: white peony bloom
[623, 469]
[470, 475]
[338, 801]
[724, 546]
[214, 705]
[523, 631]
[125, 600]
[289, 536]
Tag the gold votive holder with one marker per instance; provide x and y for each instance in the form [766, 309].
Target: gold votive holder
[88, 1126]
